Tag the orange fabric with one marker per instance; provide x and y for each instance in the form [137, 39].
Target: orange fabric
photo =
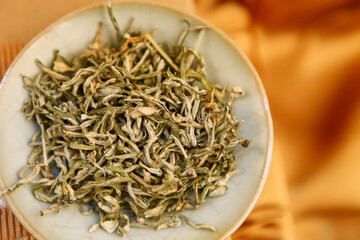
[308, 56]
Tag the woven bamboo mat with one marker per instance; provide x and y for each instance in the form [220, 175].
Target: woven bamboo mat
[11, 228]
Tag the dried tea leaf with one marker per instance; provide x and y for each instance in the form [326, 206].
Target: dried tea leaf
[143, 111]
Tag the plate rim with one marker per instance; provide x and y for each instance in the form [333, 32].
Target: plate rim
[216, 30]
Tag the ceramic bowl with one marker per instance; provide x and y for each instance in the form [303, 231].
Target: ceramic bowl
[225, 63]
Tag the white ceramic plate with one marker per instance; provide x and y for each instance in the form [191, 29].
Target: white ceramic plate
[225, 63]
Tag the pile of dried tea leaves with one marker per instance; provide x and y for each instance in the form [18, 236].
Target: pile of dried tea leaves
[134, 134]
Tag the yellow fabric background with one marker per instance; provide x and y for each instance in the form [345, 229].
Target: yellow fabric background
[308, 55]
